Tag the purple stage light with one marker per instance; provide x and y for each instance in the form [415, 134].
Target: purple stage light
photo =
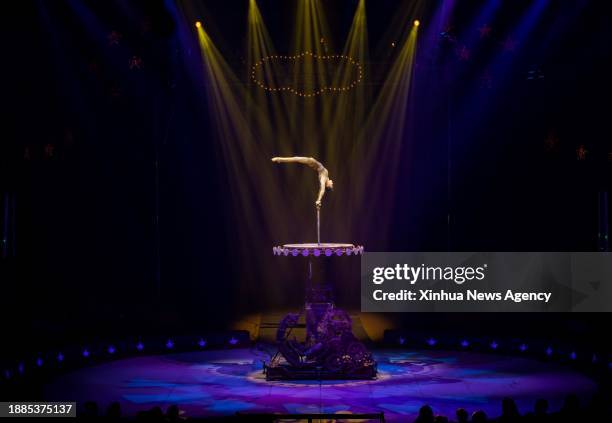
[328, 252]
[169, 344]
[305, 252]
[549, 351]
[202, 343]
[39, 362]
[60, 357]
[339, 252]
[431, 342]
[494, 345]
[523, 347]
[401, 340]
[20, 368]
[316, 252]
[573, 355]
[294, 252]
[465, 343]
[85, 353]
[286, 252]
[233, 341]
[139, 346]
[349, 251]
[111, 349]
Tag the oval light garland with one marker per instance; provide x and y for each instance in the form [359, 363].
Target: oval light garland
[290, 89]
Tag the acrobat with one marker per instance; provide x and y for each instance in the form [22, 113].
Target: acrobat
[324, 180]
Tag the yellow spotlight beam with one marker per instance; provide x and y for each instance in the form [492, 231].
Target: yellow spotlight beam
[375, 159]
[250, 179]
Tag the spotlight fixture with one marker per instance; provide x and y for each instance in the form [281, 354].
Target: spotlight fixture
[416, 22]
[198, 24]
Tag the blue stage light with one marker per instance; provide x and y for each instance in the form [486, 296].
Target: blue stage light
[39, 362]
[202, 343]
[465, 343]
[573, 355]
[111, 349]
[85, 353]
[431, 342]
[233, 341]
[401, 340]
[60, 357]
[523, 347]
[20, 368]
[549, 351]
[169, 344]
[494, 345]
[139, 346]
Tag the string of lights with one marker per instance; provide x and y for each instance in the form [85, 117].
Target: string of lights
[300, 93]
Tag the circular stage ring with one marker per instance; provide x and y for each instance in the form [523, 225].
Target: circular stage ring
[324, 249]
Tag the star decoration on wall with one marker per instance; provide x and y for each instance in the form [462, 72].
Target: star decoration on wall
[509, 44]
[486, 80]
[49, 150]
[484, 30]
[551, 141]
[581, 152]
[135, 63]
[113, 37]
[463, 53]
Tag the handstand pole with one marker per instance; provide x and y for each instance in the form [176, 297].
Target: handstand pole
[318, 226]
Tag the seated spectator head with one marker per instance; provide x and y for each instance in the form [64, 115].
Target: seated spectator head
[479, 417]
[90, 409]
[509, 408]
[462, 415]
[425, 415]
[172, 413]
[441, 419]
[541, 407]
[571, 404]
[156, 414]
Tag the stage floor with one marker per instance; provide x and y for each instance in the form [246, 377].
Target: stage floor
[224, 382]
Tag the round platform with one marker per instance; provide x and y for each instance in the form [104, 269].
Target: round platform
[326, 249]
[223, 382]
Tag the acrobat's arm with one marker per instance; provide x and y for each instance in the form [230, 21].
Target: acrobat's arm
[321, 193]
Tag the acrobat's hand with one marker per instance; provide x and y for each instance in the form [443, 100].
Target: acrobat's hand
[318, 204]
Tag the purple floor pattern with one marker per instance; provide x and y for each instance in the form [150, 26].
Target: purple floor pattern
[223, 382]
